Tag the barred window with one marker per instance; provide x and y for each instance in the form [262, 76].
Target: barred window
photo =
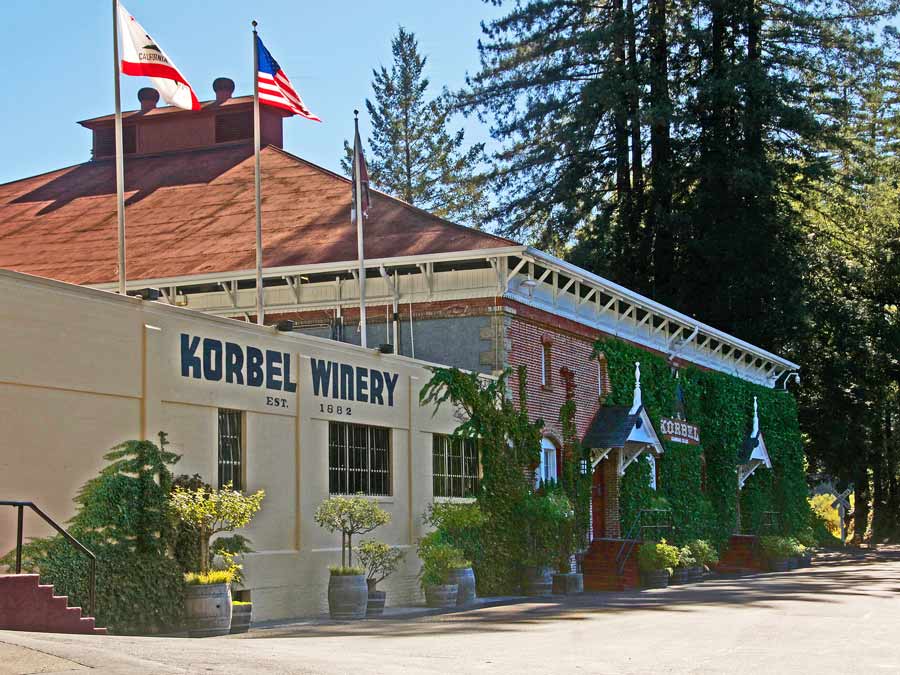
[454, 466]
[230, 448]
[359, 459]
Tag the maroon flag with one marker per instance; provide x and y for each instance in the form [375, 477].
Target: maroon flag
[359, 160]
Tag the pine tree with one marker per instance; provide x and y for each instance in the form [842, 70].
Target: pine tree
[415, 156]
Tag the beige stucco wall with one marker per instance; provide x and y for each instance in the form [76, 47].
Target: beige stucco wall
[82, 370]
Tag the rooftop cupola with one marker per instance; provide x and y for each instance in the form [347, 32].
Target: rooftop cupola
[151, 130]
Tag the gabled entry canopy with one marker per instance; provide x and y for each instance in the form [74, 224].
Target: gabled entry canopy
[753, 453]
[625, 429]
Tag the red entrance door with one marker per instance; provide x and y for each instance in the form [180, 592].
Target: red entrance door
[598, 503]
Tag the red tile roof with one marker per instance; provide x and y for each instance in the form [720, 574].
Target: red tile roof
[192, 212]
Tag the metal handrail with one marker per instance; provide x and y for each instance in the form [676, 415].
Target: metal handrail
[628, 545]
[92, 559]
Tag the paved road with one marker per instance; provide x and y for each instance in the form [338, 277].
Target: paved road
[841, 615]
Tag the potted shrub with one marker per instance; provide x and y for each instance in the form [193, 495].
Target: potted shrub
[380, 561]
[705, 558]
[797, 551]
[227, 548]
[348, 592]
[686, 560]
[459, 525]
[807, 538]
[546, 518]
[439, 559]
[776, 551]
[208, 512]
[656, 560]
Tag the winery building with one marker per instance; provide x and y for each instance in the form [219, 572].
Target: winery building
[435, 291]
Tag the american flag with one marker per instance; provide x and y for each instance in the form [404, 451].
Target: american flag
[275, 88]
[359, 159]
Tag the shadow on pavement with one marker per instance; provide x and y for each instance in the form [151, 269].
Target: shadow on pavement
[824, 582]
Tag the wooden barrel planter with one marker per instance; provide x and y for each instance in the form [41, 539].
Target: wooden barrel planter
[241, 615]
[680, 575]
[806, 559]
[655, 579]
[464, 578]
[778, 565]
[695, 574]
[207, 609]
[568, 583]
[375, 604]
[793, 563]
[538, 581]
[443, 596]
[348, 596]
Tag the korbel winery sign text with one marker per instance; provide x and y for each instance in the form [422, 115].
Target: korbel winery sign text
[679, 431]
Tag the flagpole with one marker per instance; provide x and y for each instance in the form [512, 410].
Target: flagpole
[120, 155]
[260, 310]
[359, 232]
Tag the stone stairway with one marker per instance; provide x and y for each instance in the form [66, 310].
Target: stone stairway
[741, 556]
[26, 604]
[599, 567]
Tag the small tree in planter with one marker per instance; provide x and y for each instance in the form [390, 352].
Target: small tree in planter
[705, 557]
[438, 560]
[686, 560]
[380, 561]
[656, 561]
[547, 516]
[347, 589]
[208, 512]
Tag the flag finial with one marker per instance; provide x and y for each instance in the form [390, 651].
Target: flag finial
[254, 24]
[356, 113]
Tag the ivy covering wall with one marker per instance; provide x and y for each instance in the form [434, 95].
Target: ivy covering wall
[722, 407]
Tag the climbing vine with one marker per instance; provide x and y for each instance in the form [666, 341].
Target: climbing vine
[722, 407]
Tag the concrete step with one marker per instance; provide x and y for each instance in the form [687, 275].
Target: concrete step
[26, 604]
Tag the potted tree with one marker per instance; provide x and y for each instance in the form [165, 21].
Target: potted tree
[705, 557]
[348, 592]
[681, 571]
[379, 561]
[207, 511]
[656, 560]
[439, 559]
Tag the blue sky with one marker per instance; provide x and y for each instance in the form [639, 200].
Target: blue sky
[58, 65]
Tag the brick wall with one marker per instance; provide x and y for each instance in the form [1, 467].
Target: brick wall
[526, 338]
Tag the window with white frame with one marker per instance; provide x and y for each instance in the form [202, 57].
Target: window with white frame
[546, 470]
[231, 455]
[546, 363]
[454, 466]
[359, 459]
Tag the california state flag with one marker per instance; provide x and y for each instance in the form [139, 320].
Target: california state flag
[142, 56]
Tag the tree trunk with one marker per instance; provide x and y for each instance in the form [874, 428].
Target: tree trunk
[661, 185]
[204, 552]
[623, 178]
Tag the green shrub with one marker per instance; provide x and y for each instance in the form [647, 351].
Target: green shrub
[776, 548]
[346, 570]
[657, 556]
[703, 552]
[460, 525]
[686, 558]
[123, 519]
[545, 517]
[438, 558]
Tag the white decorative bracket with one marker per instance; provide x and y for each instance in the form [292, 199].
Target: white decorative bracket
[598, 455]
[746, 470]
[629, 455]
[637, 401]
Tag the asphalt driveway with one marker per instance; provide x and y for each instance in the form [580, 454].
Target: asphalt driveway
[841, 615]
